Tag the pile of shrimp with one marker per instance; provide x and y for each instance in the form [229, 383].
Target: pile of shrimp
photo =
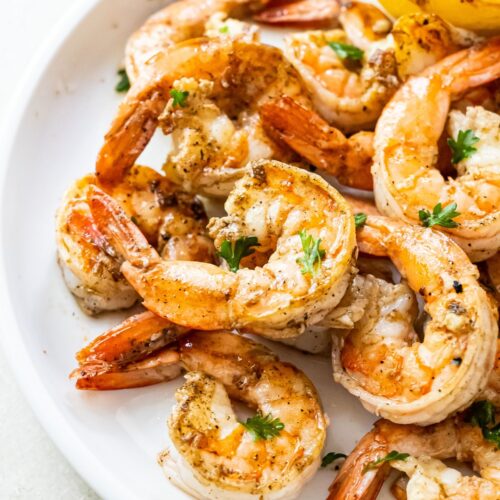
[360, 176]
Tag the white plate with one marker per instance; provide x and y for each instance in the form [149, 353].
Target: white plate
[62, 111]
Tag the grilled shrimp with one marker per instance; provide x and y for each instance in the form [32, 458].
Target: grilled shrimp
[220, 129]
[177, 22]
[171, 220]
[299, 12]
[302, 280]
[382, 360]
[405, 177]
[325, 147]
[213, 455]
[430, 478]
[351, 89]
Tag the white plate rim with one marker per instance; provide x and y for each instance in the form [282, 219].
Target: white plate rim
[46, 411]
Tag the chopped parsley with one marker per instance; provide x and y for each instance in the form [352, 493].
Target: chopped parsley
[224, 29]
[346, 51]
[123, 83]
[331, 457]
[440, 216]
[463, 147]
[233, 252]
[313, 254]
[390, 457]
[263, 427]
[360, 219]
[179, 97]
[482, 414]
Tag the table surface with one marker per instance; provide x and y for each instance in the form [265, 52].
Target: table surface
[31, 467]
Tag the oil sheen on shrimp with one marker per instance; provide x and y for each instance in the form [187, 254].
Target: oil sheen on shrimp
[174, 222]
[221, 83]
[406, 179]
[430, 478]
[213, 456]
[383, 362]
[180, 21]
[273, 202]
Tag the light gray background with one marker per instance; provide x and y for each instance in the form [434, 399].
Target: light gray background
[30, 465]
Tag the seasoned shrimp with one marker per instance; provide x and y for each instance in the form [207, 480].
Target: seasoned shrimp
[174, 222]
[325, 147]
[405, 177]
[452, 438]
[213, 455]
[303, 278]
[351, 88]
[382, 360]
[180, 21]
[220, 129]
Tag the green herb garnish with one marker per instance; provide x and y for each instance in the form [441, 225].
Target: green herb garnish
[179, 97]
[263, 427]
[233, 252]
[313, 254]
[463, 147]
[360, 219]
[346, 51]
[224, 29]
[331, 457]
[440, 216]
[390, 457]
[481, 413]
[492, 435]
[124, 83]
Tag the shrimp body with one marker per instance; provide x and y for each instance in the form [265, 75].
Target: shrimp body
[405, 177]
[430, 478]
[382, 360]
[177, 22]
[213, 455]
[273, 202]
[223, 82]
[171, 220]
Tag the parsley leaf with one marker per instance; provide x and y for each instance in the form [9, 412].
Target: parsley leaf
[312, 253]
[179, 97]
[463, 147]
[492, 435]
[481, 413]
[440, 216]
[360, 219]
[124, 83]
[263, 427]
[232, 253]
[390, 457]
[331, 457]
[224, 29]
[346, 51]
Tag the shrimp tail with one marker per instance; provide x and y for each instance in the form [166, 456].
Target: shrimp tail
[123, 234]
[130, 132]
[323, 146]
[354, 480]
[99, 376]
[132, 340]
[299, 12]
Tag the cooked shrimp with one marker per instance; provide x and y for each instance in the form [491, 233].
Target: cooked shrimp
[382, 360]
[220, 130]
[351, 92]
[300, 12]
[177, 22]
[273, 202]
[405, 179]
[174, 222]
[452, 438]
[213, 455]
[325, 147]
